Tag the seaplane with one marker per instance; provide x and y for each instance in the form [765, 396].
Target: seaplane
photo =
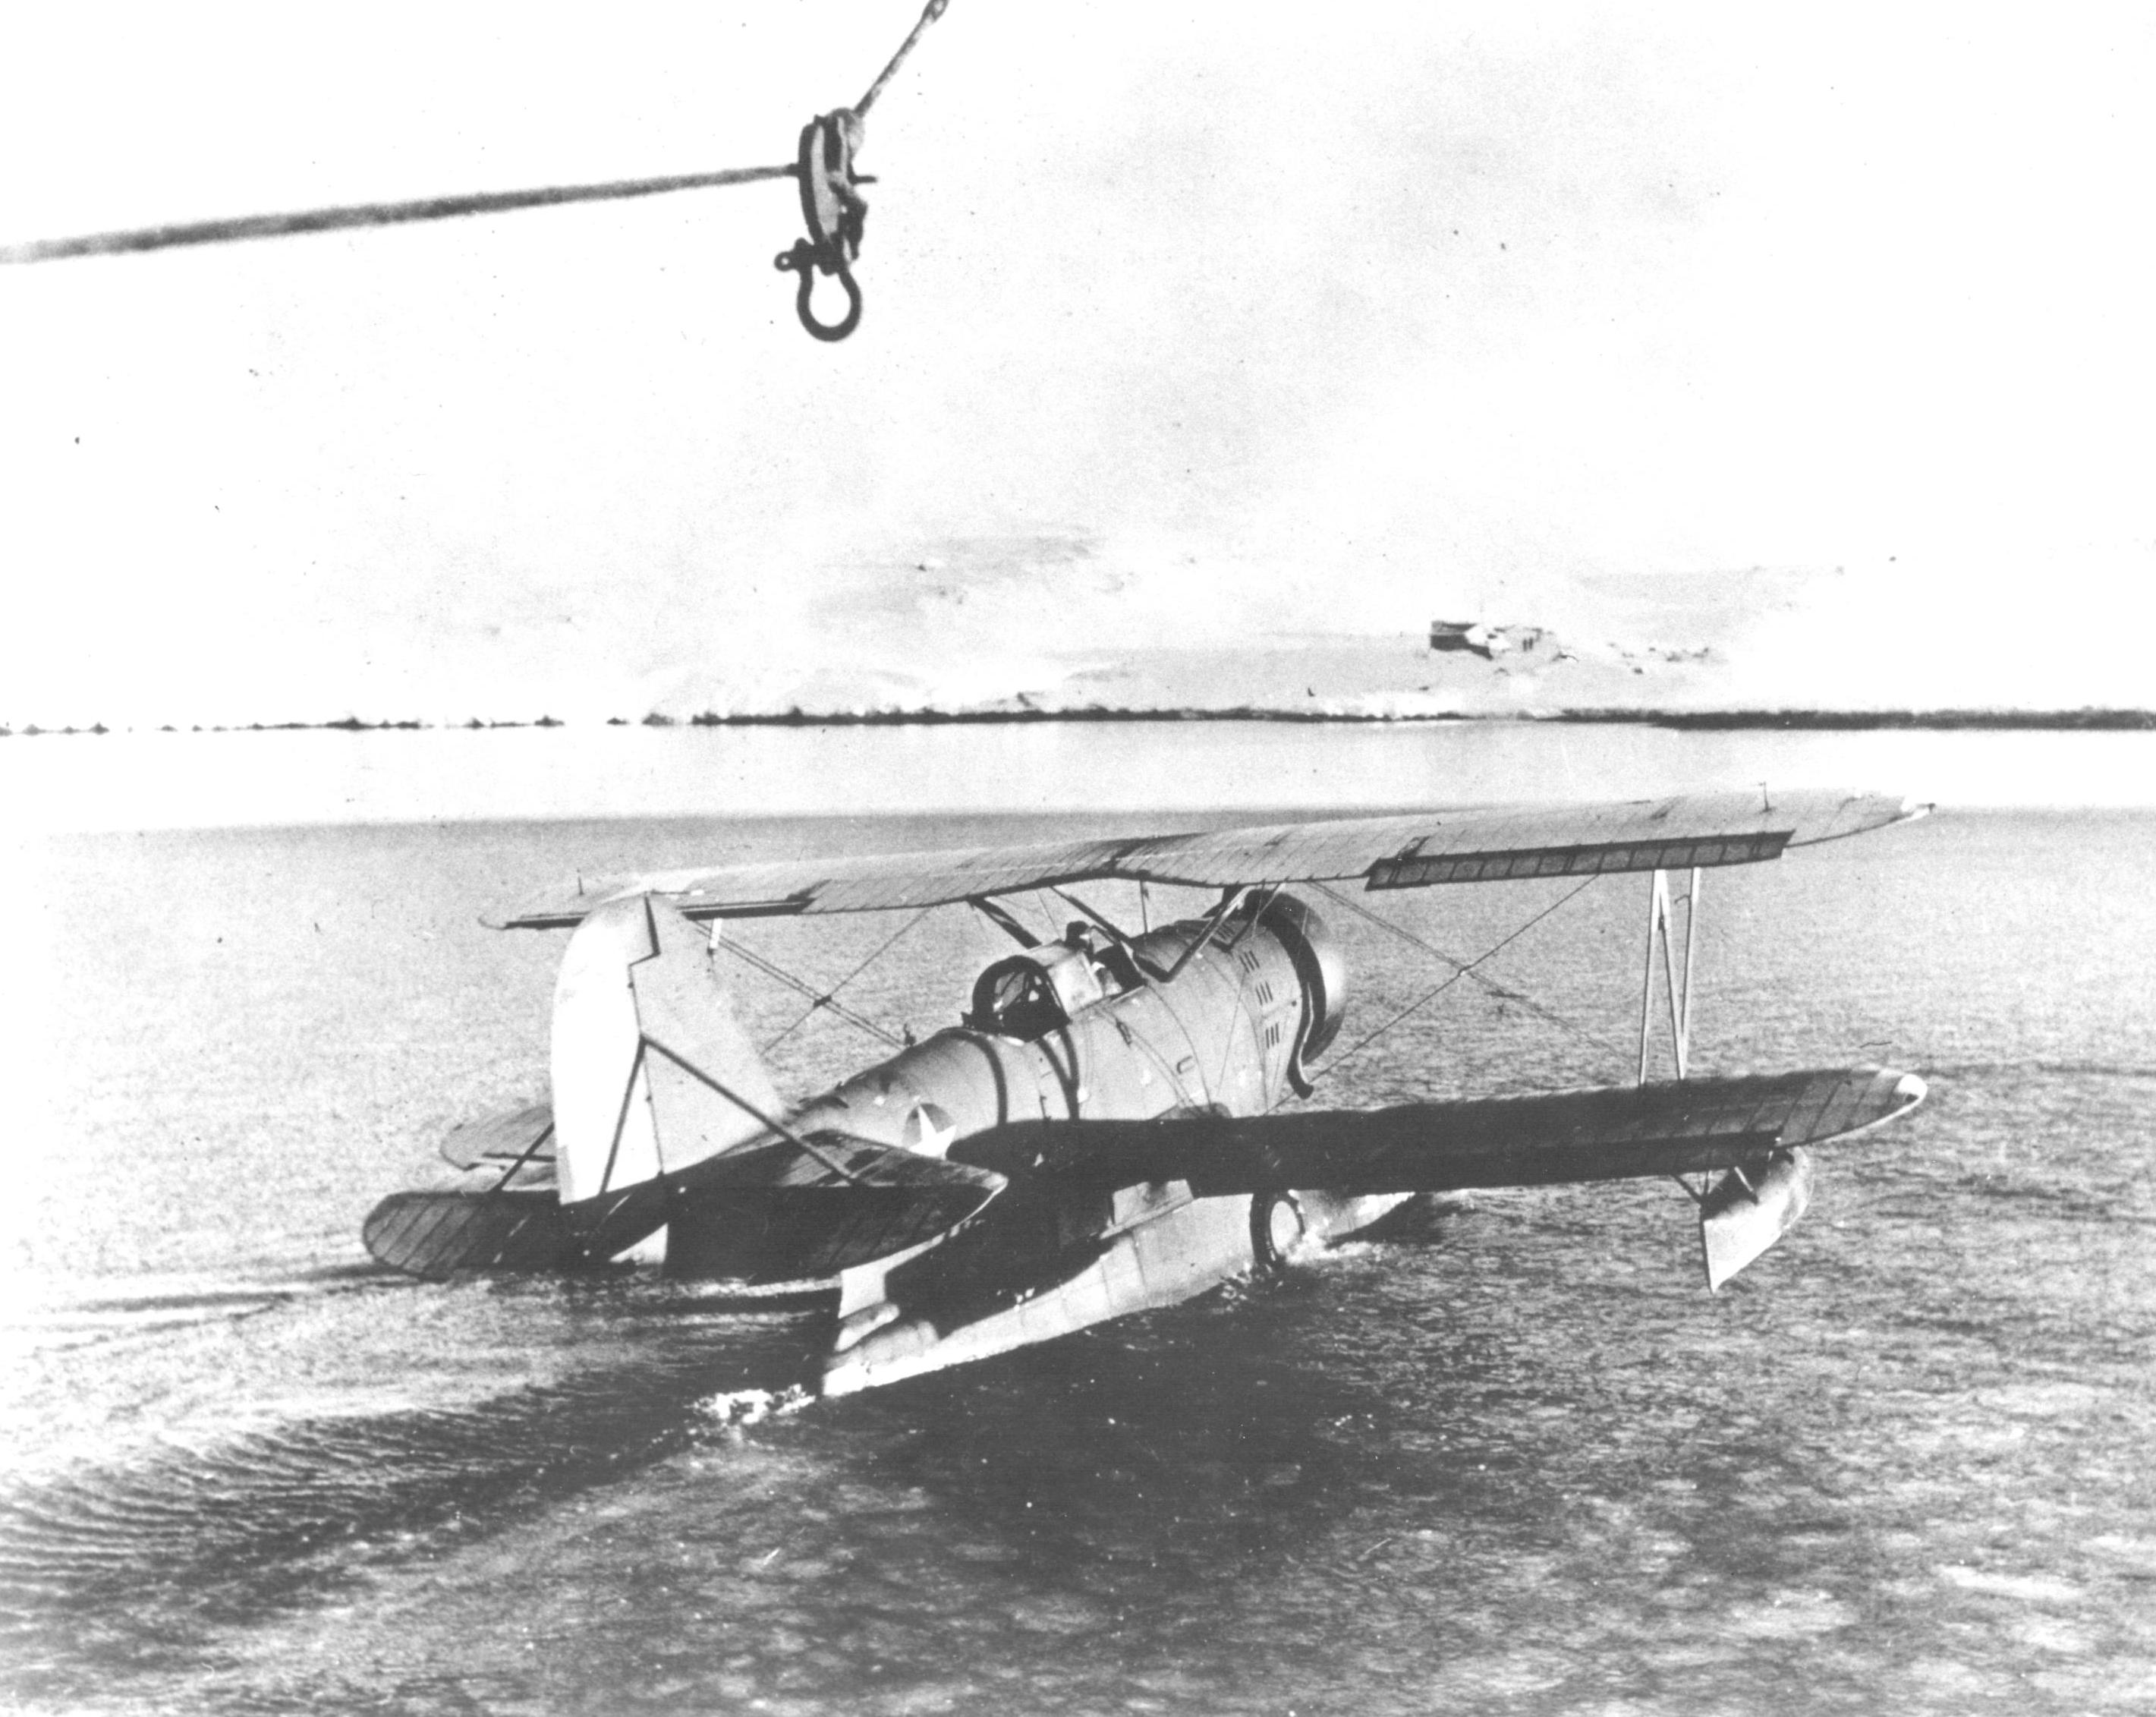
[1117, 1121]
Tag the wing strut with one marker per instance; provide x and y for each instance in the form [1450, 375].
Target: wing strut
[996, 914]
[1676, 988]
[1214, 920]
[1758, 1199]
[1259, 895]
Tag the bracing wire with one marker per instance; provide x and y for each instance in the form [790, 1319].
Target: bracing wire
[1505, 992]
[883, 948]
[817, 999]
[1465, 970]
[829, 999]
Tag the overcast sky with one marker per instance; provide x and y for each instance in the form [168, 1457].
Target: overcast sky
[1184, 324]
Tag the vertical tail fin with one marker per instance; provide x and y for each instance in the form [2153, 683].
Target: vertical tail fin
[652, 1072]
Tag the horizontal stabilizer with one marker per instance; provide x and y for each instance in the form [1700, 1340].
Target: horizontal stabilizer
[436, 1234]
[515, 1136]
[1605, 1133]
[777, 1213]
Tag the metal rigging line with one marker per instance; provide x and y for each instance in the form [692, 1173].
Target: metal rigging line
[829, 998]
[370, 214]
[933, 11]
[1465, 970]
[817, 998]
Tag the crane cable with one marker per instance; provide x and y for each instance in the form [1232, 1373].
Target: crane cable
[823, 164]
[929, 14]
[369, 215]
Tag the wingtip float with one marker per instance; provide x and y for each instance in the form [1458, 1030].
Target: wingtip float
[1107, 1128]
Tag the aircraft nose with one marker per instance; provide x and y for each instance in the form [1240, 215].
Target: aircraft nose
[1911, 1090]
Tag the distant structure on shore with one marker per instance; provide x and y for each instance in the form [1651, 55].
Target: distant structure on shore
[1477, 638]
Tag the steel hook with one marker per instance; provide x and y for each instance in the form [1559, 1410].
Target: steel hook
[829, 331]
[807, 260]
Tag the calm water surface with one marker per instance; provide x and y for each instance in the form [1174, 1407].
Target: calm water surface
[1508, 1456]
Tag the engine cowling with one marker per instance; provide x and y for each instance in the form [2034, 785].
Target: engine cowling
[1321, 971]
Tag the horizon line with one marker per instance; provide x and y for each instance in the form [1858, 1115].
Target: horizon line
[2086, 718]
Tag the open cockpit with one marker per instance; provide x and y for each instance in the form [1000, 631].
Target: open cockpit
[1027, 995]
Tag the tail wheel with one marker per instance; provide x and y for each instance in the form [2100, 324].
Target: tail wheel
[1276, 1229]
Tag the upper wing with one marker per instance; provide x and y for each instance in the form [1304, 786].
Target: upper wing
[1408, 851]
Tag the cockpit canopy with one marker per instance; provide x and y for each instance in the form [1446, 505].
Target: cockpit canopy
[1031, 994]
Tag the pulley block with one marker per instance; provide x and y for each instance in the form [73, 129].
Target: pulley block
[835, 212]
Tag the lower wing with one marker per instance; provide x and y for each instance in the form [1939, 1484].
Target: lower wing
[1605, 1133]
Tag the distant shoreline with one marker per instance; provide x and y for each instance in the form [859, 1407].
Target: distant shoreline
[1691, 721]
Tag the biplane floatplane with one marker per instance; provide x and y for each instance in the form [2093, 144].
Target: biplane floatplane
[1103, 1132]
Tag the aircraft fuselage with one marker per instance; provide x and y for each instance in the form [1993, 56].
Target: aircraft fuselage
[1055, 1034]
